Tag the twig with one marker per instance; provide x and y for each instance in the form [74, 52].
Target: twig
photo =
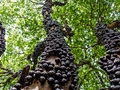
[98, 75]
[14, 75]
[36, 2]
[3, 72]
[8, 71]
[85, 47]
[85, 77]
[91, 16]
[83, 63]
[59, 3]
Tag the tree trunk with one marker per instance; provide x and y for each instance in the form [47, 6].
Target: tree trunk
[56, 70]
[111, 62]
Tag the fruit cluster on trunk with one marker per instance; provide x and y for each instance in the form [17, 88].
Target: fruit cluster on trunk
[56, 70]
[111, 62]
[2, 39]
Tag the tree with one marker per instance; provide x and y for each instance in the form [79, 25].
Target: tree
[23, 22]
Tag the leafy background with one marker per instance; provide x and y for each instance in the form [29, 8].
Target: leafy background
[22, 20]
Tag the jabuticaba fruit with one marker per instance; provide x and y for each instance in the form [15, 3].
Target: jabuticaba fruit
[111, 62]
[56, 66]
[2, 39]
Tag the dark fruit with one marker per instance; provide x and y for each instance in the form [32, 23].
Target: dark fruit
[42, 79]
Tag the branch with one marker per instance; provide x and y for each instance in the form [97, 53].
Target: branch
[105, 89]
[68, 31]
[91, 16]
[84, 77]
[36, 2]
[59, 3]
[7, 70]
[90, 25]
[83, 63]
[85, 47]
[101, 80]
[93, 67]
[14, 75]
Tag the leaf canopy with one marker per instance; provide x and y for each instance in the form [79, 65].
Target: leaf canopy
[22, 20]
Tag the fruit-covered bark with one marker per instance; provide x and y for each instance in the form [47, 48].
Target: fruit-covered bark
[111, 62]
[56, 70]
[2, 39]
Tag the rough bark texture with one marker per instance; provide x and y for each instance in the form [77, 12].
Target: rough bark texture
[111, 62]
[56, 70]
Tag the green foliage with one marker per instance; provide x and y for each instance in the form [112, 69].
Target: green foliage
[22, 20]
